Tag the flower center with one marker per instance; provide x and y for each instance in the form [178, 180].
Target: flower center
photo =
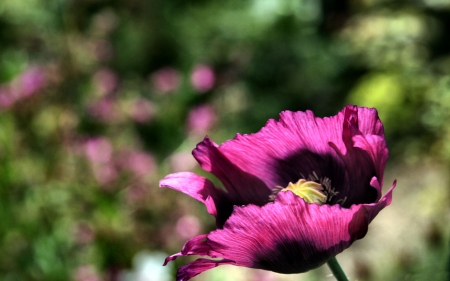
[312, 190]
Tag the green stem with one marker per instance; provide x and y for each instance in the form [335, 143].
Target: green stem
[336, 269]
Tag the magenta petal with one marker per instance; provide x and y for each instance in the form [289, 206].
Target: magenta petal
[348, 148]
[243, 187]
[283, 150]
[195, 246]
[289, 235]
[202, 189]
[365, 155]
[376, 148]
[347, 153]
[191, 184]
[374, 208]
[286, 236]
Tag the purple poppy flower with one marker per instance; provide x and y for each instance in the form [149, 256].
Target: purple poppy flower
[297, 193]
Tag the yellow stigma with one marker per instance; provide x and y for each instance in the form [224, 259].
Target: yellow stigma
[310, 191]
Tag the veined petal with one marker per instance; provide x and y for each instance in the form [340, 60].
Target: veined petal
[286, 236]
[243, 187]
[289, 235]
[195, 246]
[216, 200]
[284, 150]
[368, 121]
[300, 144]
[376, 147]
[365, 155]
[374, 208]
[346, 154]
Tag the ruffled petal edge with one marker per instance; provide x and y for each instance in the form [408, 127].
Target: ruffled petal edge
[271, 238]
[374, 208]
[196, 246]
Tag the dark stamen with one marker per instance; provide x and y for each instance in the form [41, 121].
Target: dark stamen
[275, 191]
[326, 184]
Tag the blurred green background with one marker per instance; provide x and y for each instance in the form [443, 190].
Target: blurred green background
[100, 99]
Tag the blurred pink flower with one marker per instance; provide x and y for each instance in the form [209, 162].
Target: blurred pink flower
[29, 82]
[181, 161]
[142, 110]
[104, 110]
[105, 173]
[201, 119]
[106, 81]
[86, 273]
[138, 162]
[98, 150]
[166, 79]
[188, 226]
[203, 78]
[6, 98]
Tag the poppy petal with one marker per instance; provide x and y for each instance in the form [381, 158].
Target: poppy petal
[195, 246]
[346, 152]
[297, 145]
[284, 150]
[365, 155]
[376, 147]
[374, 208]
[202, 189]
[289, 235]
[243, 188]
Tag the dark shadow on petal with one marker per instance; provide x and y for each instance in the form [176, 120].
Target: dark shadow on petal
[305, 254]
[360, 169]
[305, 162]
[224, 210]
[353, 186]
[243, 188]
